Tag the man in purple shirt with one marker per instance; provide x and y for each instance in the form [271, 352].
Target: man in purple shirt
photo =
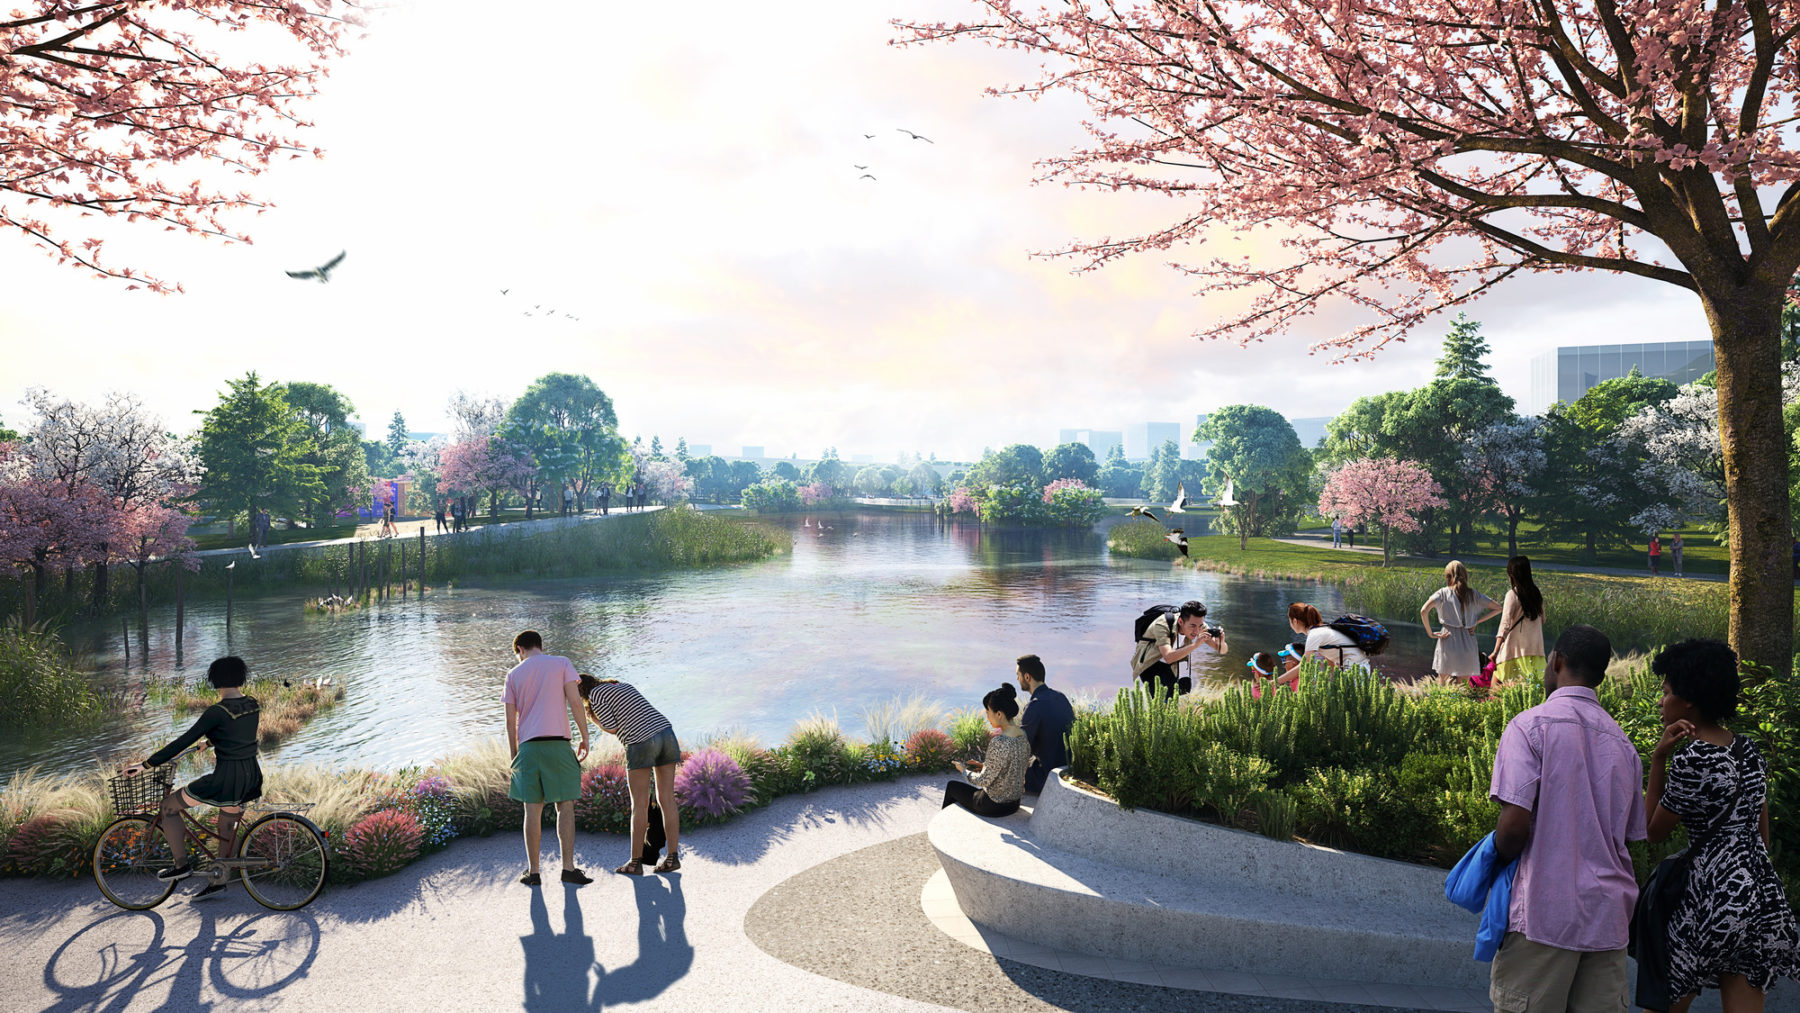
[1570, 785]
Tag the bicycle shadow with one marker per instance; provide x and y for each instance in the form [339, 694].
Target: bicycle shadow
[562, 972]
[126, 957]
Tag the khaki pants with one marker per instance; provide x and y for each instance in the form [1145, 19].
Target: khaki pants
[1530, 977]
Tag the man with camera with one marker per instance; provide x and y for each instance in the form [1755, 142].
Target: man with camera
[1170, 641]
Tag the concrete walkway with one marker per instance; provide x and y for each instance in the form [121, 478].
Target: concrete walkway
[456, 932]
[483, 530]
[1324, 542]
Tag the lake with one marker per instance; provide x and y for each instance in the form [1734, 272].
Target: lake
[874, 606]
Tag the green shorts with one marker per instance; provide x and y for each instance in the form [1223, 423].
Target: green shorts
[545, 771]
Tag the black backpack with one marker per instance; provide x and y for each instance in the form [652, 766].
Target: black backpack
[1152, 614]
[1370, 636]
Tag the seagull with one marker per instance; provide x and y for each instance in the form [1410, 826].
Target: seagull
[231, 565]
[869, 136]
[1180, 499]
[1139, 511]
[867, 176]
[1226, 498]
[916, 137]
[1178, 539]
[505, 290]
[322, 272]
[252, 548]
[859, 167]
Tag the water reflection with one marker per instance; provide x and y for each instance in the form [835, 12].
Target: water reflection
[875, 606]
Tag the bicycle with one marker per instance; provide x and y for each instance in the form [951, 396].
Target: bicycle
[280, 856]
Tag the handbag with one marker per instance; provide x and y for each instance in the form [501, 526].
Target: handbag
[1656, 903]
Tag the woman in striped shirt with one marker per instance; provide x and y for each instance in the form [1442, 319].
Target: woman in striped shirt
[650, 747]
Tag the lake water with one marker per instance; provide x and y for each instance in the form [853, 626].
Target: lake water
[875, 607]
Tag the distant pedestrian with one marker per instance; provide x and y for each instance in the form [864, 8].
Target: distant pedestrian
[1519, 646]
[1732, 929]
[1350, 536]
[1460, 608]
[568, 501]
[1046, 722]
[1337, 533]
[1675, 552]
[996, 782]
[541, 699]
[1568, 783]
[456, 514]
[1655, 554]
[605, 498]
[651, 750]
[442, 524]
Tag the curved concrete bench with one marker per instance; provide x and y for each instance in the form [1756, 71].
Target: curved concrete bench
[1080, 874]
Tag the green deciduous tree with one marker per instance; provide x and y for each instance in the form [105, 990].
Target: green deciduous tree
[337, 452]
[1118, 477]
[568, 424]
[1258, 450]
[1071, 460]
[1018, 464]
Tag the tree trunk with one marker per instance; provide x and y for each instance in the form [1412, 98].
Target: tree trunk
[1387, 554]
[1747, 347]
[1512, 533]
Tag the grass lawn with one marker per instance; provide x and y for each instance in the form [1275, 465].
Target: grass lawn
[1701, 553]
[277, 536]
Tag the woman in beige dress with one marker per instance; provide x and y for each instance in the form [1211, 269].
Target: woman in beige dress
[1460, 608]
[1519, 646]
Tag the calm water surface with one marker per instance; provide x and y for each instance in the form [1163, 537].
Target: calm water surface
[876, 607]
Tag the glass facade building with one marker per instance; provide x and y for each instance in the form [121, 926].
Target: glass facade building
[1144, 438]
[1100, 441]
[1570, 371]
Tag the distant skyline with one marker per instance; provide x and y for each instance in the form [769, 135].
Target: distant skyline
[736, 281]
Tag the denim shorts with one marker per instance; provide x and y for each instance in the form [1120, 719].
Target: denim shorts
[655, 751]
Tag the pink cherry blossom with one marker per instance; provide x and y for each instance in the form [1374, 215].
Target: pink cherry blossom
[1380, 491]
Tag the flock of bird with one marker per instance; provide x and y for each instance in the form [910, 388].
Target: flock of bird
[869, 137]
[322, 274]
[1177, 536]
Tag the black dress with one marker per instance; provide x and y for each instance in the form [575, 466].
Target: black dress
[1735, 917]
[230, 725]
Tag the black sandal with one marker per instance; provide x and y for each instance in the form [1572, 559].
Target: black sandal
[631, 868]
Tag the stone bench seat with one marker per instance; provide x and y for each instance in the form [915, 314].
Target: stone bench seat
[1080, 874]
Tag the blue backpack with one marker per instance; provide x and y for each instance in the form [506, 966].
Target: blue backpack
[1370, 636]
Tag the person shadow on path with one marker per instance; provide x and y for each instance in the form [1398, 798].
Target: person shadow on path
[559, 968]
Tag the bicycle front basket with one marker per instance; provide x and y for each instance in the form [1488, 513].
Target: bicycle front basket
[143, 792]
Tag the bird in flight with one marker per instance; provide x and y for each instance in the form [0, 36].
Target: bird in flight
[253, 554]
[322, 272]
[867, 176]
[1227, 498]
[505, 290]
[1180, 504]
[231, 565]
[916, 137]
[1178, 539]
[869, 136]
[1139, 511]
[859, 167]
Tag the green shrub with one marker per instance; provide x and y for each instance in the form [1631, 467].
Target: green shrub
[39, 681]
[1227, 781]
[1277, 814]
[970, 733]
[1348, 809]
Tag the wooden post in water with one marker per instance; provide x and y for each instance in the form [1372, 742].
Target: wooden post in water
[125, 637]
[180, 603]
[228, 573]
[421, 560]
[383, 563]
[405, 574]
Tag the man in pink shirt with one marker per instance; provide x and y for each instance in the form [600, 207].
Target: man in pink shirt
[1570, 788]
[541, 696]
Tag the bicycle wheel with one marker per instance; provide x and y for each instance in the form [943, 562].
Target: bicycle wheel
[126, 860]
[286, 861]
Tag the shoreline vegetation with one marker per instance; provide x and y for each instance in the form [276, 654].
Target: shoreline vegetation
[285, 707]
[662, 539]
[1636, 612]
[378, 822]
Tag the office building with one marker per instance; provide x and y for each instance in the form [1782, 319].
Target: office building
[699, 450]
[1195, 451]
[752, 453]
[1100, 441]
[1572, 370]
[1144, 438]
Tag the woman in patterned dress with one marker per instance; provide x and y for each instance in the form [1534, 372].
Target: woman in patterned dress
[1733, 930]
[994, 786]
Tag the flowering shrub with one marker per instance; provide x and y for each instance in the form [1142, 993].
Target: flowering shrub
[383, 842]
[29, 851]
[817, 493]
[962, 501]
[1069, 503]
[883, 761]
[1017, 504]
[711, 785]
[605, 803]
[930, 750]
[433, 803]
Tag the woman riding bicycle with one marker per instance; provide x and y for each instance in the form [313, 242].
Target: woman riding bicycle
[230, 725]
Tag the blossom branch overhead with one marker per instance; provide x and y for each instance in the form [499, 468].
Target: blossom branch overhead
[1417, 154]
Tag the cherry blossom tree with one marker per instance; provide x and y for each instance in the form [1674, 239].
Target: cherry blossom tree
[1505, 461]
[105, 100]
[667, 481]
[1380, 491]
[46, 523]
[482, 464]
[1416, 155]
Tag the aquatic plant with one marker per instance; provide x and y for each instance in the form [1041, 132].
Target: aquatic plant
[711, 785]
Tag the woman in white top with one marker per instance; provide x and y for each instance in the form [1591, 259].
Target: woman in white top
[1519, 646]
[1460, 609]
[1322, 641]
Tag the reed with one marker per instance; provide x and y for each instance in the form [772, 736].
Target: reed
[284, 707]
[40, 680]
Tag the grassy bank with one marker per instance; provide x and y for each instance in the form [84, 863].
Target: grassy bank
[649, 541]
[1636, 612]
[284, 706]
[41, 680]
[1352, 761]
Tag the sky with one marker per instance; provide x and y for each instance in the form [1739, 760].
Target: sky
[684, 184]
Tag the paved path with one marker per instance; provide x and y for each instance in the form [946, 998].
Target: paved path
[483, 530]
[456, 932]
[1324, 542]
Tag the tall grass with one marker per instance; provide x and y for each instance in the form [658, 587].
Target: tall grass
[40, 682]
[895, 720]
[674, 537]
[1141, 538]
[284, 707]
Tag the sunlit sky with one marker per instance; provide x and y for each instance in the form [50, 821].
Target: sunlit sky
[682, 181]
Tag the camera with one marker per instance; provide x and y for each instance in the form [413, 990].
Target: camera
[1215, 631]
